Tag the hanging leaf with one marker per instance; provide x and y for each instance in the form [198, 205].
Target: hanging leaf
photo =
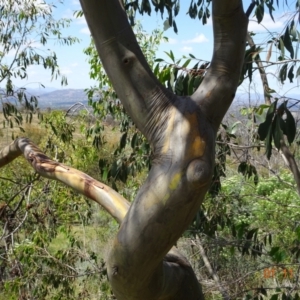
[175, 27]
[176, 8]
[291, 73]
[259, 12]
[264, 127]
[145, 7]
[134, 140]
[200, 13]
[166, 25]
[281, 47]
[282, 126]
[271, 8]
[269, 53]
[268, 143]
[287, 42]
[283, 73]
[277, 132]
[123, 140]
[248, 170]
[290, 126]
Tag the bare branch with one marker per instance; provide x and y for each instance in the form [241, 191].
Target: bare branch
[209, 268]
[124, 62]
[218, 88]
[263, 75]
[112, 201]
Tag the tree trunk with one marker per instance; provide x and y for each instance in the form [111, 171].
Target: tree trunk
[181, 131]
[143, 263]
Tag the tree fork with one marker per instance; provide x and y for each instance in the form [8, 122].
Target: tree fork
[181, 131]
[143, 263]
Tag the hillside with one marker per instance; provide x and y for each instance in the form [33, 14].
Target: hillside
[62, 98]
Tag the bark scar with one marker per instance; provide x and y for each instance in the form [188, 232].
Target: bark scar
[115, 270]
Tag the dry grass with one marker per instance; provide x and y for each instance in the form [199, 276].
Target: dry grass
[32, 131]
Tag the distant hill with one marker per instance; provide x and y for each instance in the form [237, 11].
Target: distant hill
[49, 98]
[63, 98]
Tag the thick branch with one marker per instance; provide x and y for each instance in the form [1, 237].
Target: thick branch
[124, 62]
[182, 132]
[113, 202]
[178, 272]
[217, 91]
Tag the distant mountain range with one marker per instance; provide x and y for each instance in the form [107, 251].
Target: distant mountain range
[64, 98]
[51, 98]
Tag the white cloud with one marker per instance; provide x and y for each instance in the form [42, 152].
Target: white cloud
[186, 49]
[199, 38]
[34, 44]
[32, 70]
[81, 20]
[75, 2]
[85, 30]
[65, 71]
[75, 64]
[266, 24]
[69, 14]
[172, 41]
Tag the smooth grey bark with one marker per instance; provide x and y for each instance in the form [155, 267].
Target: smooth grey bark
[181, 131]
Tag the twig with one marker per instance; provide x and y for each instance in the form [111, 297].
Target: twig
[210, 269]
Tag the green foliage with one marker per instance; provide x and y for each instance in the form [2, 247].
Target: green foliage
[199, 9]
[250, 230]
[274, 128]
[45, 227]
[177, 76]
[246, 226]
[24, 26]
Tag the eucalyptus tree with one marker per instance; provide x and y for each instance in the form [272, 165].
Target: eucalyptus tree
[181, 131]
[143, 262]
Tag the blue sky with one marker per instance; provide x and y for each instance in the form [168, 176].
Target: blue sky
[192, 37]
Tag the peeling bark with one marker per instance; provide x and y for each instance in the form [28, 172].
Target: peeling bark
[112, 201]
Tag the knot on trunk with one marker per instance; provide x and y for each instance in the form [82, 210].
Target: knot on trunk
[199, 172]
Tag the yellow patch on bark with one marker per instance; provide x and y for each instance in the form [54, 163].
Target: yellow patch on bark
[165, 198]
[198, 146]
[172, 186]
[191, 129]
[169, 130]
[174, 182]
